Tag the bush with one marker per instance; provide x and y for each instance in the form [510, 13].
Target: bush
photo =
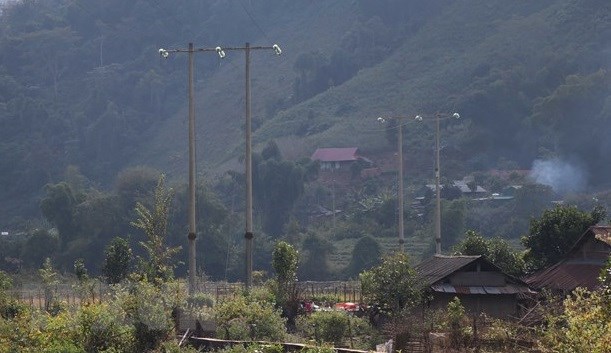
[201, 300]
[244, 318]
[104, 327]
[253, 348]
[149, 308]
[334, 327]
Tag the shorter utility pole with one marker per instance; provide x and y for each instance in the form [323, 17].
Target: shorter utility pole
[438, 117]
[437, 190]
[400, 167]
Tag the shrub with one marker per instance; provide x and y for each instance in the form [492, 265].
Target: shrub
[103, 327]
[149, 308]
[243, 318]
[335, 327]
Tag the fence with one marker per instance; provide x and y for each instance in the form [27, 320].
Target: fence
[42, 297]
[340, 291]
[37, 295]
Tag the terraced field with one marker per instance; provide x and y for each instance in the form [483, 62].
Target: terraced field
[416, 247]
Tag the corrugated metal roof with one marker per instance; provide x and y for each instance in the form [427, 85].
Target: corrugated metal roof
[507, 289]
[335, 154]
[437, 267]
[432, 271]
[566, 276]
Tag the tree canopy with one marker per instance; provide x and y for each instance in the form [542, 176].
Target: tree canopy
[496, 250]
[550, 237]
[391, 285]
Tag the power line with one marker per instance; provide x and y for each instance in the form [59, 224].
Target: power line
[252, 18]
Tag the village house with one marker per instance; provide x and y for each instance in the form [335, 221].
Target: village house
[581, 266]
[481, 286]
[336, 164]
[339, 159]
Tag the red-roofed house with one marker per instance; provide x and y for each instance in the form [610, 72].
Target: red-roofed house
[581, 266]
[335, 158]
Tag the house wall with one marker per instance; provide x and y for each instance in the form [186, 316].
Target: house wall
[341, 166]
[482, 278]
[592, 249]
[494, 305]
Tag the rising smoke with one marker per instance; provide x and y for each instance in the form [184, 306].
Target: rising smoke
[563, 177]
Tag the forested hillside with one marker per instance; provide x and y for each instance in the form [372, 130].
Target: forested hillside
[85, 95]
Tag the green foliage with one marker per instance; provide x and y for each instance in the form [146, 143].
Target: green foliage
[135, 184]
[134, 318]
[80, 270]
[38, 331]
[246, 318]
[9, 307]
[253, 348]
[148, 308]
[585, 325]
[58, 208]
[315, 266]
[366, 254]
[496, 250]
[40, 244]
[605, 279]
[285, 261]
[104, 326]
[391, 285]
[86, 285]
[335, 327]
[551, 236]
[117, 260]
[452, 221]
[277, 184]
[50, 281]
[318, 349]
[158, 267]
[455, 322]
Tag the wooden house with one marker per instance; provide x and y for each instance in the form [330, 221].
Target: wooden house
[481, 286]
[581, 266]
[335, 158]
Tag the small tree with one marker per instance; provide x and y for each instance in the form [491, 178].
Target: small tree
[391, 285]
[86, 284]
[50, 281]
[285, 260]
[117, 260]
[158, 268]
[455, 321]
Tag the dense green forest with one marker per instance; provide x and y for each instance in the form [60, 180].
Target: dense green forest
[90, 116]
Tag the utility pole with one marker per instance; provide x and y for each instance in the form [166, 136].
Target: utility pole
[437, 117]
[249, 234]
[400, 149]
[192, 231]
[192, 235]
[437, 190]
[400, 167]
